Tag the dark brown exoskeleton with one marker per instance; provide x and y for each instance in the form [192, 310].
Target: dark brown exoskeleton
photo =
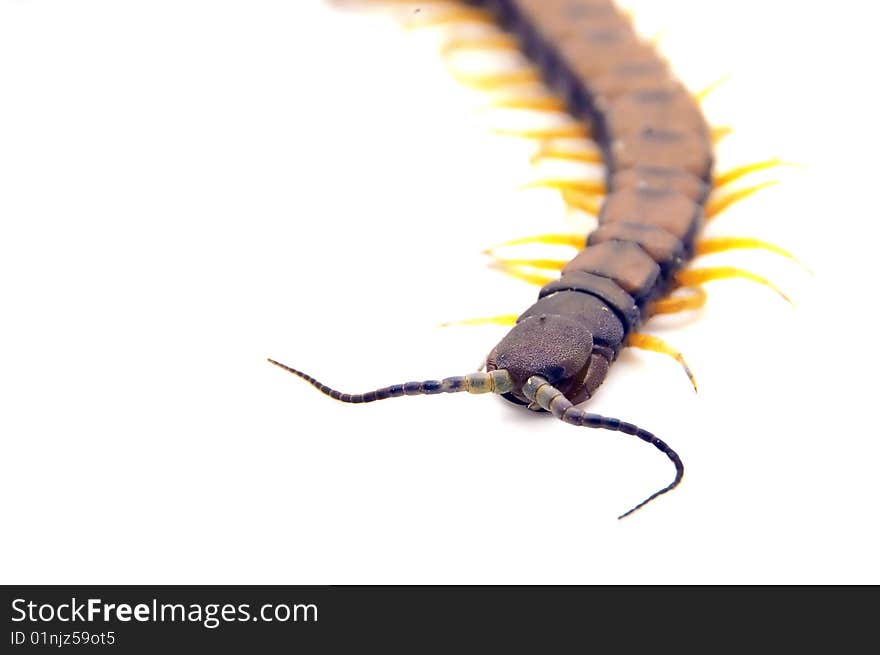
[658, 152]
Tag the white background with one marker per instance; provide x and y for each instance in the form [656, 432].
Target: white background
[187, 187]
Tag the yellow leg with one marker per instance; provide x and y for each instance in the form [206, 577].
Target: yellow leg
[420, 4]
[656, 38]
[697, 276]
[460, 14]
[695, 299]
[720, 244]
[500, 41]
[490, 81]
[573, 131]
[548, 264]
[502, 319]
[716, 205]
[536, 103]
[717, 134]
[575, 240]
[586, 202]
[740, 171]
[701, 95]
[591, 187]
[520, 274]
[654, 344]
[550, 152]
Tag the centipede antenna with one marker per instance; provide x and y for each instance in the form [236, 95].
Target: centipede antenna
[539, 391]
[491, 382]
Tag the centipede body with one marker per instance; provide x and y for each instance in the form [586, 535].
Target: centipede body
[626, 265]
[149, 276]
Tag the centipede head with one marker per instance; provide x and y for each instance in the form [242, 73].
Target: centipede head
[548, 362]
[557, 348]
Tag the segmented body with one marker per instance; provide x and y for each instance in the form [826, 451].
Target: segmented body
[658, 153]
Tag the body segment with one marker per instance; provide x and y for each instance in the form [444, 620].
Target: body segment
[658, 155]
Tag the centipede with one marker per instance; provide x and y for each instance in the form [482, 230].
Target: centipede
[659, 190]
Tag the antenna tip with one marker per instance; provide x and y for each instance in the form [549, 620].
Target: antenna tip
[278, 364]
